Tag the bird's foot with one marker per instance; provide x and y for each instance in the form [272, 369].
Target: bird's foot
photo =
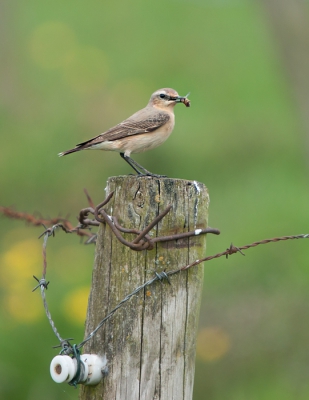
[139, 169]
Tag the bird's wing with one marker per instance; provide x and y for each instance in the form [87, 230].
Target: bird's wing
[129, 127]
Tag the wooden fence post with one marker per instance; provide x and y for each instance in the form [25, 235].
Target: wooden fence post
[150, 341]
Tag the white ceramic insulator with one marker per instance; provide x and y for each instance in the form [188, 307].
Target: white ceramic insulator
[96, 365]
[63, 368]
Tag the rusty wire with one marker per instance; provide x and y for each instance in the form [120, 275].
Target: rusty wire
[142, 241]
[233, 250]
[32, 219]
[39, 221]
[166, 274]
[65, 344]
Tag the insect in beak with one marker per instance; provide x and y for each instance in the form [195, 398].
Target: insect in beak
[184, 100]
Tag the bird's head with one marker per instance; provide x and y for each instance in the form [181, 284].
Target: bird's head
[163, 98]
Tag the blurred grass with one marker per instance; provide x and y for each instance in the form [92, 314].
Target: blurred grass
[71, 70]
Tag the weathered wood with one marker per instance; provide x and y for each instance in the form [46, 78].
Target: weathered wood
[150, 341]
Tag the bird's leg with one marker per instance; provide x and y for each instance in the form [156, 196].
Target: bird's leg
[138, 168]
[130, 162]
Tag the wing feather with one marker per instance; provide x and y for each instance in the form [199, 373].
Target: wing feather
[129, 127]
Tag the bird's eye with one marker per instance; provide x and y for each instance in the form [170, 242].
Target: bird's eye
[162, 95]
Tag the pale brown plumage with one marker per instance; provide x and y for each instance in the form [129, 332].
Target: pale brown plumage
[144, 130]
[129, 127]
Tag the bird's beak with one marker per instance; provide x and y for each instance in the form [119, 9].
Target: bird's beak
[184, 100]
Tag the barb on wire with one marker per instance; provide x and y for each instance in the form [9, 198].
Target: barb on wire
[164, 275]
[41, 282]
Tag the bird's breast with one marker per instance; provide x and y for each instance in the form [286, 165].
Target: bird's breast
[147, 141]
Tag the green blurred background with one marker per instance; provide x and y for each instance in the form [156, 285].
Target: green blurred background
[72, 69]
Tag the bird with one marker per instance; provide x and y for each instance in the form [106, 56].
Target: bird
[147, 129]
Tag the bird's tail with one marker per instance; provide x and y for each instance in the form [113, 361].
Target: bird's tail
[64, 153]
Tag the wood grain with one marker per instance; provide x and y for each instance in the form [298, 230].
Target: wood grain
[150, 341]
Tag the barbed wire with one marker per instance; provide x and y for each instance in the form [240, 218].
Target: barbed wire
[166, 274]
[67, 348]
[34, 220]
[43, 284]
[64, 343]
[142, 241]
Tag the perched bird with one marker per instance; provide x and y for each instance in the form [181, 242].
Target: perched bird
[144, 130]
